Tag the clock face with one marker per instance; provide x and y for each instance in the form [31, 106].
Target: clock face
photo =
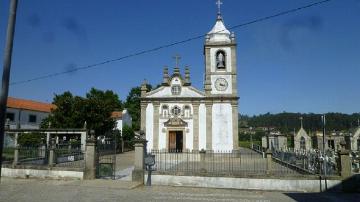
[221, 84]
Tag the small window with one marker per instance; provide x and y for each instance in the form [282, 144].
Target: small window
[176, 111]
[32, 118]
[10, 116]
[187, 111]
[176, 90]
[165, 110]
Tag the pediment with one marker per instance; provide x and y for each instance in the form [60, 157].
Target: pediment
[175, 122]
[165, 91]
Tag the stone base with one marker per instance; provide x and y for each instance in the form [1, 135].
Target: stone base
[138, 176]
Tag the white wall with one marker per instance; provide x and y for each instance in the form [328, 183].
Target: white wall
[24, 118]
[202, 127]
[222, 134]
[149, 126]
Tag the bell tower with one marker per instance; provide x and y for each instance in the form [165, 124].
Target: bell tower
[221, 87]
[220, 60]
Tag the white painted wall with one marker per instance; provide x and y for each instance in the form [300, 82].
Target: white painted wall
[149, 126]
[162, 135]
[202, 127]
[22, 116]
[189, 135]
[222, 137]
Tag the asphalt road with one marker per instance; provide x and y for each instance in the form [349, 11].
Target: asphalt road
[34, 190]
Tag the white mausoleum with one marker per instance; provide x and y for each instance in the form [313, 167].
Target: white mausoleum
[177, 117]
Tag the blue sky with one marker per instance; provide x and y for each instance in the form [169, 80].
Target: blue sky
[307, 61]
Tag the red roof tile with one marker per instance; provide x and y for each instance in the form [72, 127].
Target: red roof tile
[116, 115]
[29, 105]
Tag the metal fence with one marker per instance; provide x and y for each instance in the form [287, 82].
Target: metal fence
[8, 155]
[306, 162]
[216, 163]
[70, 156]
[33, 155]
[355, 162]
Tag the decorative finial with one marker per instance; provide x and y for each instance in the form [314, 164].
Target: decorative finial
[301, 121]
[187, 76]
[165, 76]
[219, 3]
[143, 88]
[177, 59]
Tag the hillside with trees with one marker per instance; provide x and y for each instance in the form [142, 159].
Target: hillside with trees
[286, 122]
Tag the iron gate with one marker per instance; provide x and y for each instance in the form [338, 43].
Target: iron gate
[106, 150]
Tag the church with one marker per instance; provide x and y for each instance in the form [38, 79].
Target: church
[177, 117]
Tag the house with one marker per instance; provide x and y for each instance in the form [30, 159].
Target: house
[177, 116]
[122, 118]
[26, 114]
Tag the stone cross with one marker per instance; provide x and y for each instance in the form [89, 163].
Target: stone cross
[219, 3]
[177, 59]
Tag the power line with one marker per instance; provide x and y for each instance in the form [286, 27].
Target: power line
[169, 45]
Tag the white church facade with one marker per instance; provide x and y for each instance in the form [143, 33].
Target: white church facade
[178, 117]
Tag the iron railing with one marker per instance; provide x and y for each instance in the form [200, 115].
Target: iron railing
[70, 156]
[216, 163]
[306, 162]
[355, 161]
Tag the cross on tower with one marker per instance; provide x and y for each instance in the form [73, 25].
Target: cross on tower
[177, 59]
[219, 3]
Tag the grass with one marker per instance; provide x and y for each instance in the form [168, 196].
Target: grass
[247, 144]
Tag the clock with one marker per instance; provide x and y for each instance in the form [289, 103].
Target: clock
[221, 84]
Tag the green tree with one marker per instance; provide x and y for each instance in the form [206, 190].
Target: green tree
[128, 133]
[96, 108]
[132, 104]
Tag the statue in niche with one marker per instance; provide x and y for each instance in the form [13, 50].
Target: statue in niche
[220, 60]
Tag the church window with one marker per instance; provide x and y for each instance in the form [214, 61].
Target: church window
[302, 143]
[220, 60]
[176, 111]
[187, 111]
[176, 90]
[165, 111]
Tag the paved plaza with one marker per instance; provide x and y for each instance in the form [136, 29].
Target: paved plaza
[35, 190]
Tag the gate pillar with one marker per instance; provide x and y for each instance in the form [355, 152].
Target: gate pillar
[90, 158]
[139, 170]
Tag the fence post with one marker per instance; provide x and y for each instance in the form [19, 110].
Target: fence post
[202, 161]
[16, 155]
[344, 160]
[268, 161]
[16, 150]
[90, 157]
[139, 170]
[51, 161]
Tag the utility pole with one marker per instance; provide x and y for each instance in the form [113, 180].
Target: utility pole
[6, 73]
[323, 149]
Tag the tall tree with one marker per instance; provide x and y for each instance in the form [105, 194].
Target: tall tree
[96, 108]
[132, 104]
